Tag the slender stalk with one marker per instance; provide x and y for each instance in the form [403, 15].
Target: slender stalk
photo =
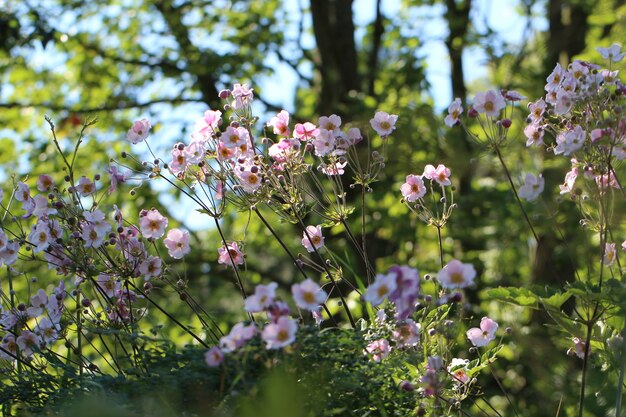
[328, 273]
[620, 378]
[519, 202]
[583, 383]
[440, 245]
[169, 316]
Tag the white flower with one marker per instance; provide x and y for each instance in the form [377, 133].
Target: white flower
[532, 188]
[308, 295]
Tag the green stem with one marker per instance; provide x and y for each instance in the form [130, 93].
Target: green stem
[519, 202]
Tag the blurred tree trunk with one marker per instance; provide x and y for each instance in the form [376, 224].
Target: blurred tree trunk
[333, 26]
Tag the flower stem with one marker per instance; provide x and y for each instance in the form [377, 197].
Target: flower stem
[519, 202]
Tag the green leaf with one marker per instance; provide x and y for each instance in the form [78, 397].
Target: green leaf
[518, 296]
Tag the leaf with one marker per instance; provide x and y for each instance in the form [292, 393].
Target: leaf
[518, 296]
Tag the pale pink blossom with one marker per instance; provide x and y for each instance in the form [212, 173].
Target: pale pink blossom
[483, 335]
[152, 224]
[45, 183]
[407, 333]
[308, 295]
[177, 243]
[455, 110]
[40, 237]
[384, 123]
[609, 254]
[47, 331]
[139, 131]
[570, 179]
[555, 78]
[532, 188]
[456, 275]
[413, 188]
[243, 96]
[150, 267]
[234, 137]
[22, 193]
[214, 357]
[489, 103]
[440, 175]
[534, 134]
[280, 123]
[262, 298]
[570, 141]
[338, 168]
[28, 342]
[536, 109]
[280, 333]
[330, 123]
[209, 123]
[306, 131]
[613, 53]
[85, 186]
[238, 336]
[580, 347]
[378, 349]
[230, 251]
[458, 370]
[380, 289]
[312, 238]
[324, 143]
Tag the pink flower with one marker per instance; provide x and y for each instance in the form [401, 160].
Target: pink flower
[579, 347]
[150, 267]
[413, 188]
[214, 357]
[235, 137]
[330, 123]
[536, 110]
[249, 178]
[139, 131]
[378, 349]
[534, 134]
[456, 275]
[116, 177]
[440, 175]
[209, 123]
[177, 243]
[312, 238]
[455, 110]
[458, 370]
[280, 333]
[407, 333]
[483, 335]
[262, 298]
[609, 254]
[384, 123]
[382, 286]
[45, 183]
[22, 193]
[336, 169]
[238, 336]
[489, 103]
[243, 96]
[40, 237]
[532, 188]
[152, 224]
[570, 179]
[306, 131]
[570, 141]
[231, 250]
[308, 295]
[28, 342]
[280, 123]
[324, 143]
[85, 187]
[555, 78]
[613, 53]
